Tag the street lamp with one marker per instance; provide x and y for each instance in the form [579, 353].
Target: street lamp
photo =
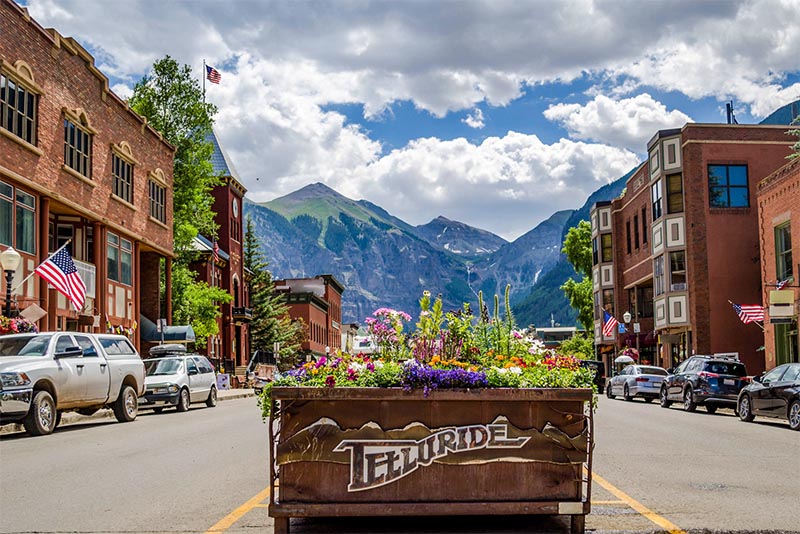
[626, 317]
[9, 259]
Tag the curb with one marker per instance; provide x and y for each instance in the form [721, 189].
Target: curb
[107, 413]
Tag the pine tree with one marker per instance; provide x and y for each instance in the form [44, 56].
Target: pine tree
[271, 321]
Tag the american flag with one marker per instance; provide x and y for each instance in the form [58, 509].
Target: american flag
[749, 313]
[216, 251]
[609, 325]
[60, 271]
[213, 74]
[781, 284]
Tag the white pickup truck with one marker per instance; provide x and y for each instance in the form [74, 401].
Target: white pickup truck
[45, 374]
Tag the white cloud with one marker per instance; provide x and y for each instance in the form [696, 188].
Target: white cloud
[626, 123]
[475, 119]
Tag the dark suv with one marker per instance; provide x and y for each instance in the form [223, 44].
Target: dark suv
[710, 381]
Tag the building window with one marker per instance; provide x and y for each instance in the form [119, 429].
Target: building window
[636, 232]
[674, 193]
[658, 276]
[628, 234]
[608, 300]
[595, 258]
[655, 191]
[120, 259]
[783, 252]
[122, 178]
[644, 301]
[17, 219]
[727, 186]
[158, 200]
[17, 109]
[606, 244]
[645, 230]
[677, 271]
[77, 148]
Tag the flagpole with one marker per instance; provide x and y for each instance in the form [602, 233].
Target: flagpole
[34, 271]
[204, 80]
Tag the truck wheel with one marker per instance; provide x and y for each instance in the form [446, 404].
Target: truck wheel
[127, 406]
[212, 397]
[183, 401]
[41, 418]
[58, 419]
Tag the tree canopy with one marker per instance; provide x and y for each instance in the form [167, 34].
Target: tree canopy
[578, 248]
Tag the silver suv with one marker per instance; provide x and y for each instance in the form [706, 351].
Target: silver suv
[174, 377]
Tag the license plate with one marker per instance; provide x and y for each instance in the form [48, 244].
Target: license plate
[655, 384]
[729, 382]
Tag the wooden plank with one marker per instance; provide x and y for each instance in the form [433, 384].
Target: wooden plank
[414, 509]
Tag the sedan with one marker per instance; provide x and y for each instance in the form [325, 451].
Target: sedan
[637, 381]
[775, 393]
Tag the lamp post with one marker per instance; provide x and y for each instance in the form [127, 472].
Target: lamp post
[626, 317]
[9, 259]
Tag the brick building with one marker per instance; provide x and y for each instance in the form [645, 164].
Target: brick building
[318, 302]
[78, 166]
[225, 268]
[694, 202]
[778, 213]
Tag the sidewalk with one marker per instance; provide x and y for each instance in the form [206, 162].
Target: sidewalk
[74, 417]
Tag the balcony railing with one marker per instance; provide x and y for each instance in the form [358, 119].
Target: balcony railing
[242, 314]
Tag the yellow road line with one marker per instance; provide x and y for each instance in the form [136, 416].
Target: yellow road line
[608, 502]
[639, 507]
[225, 523]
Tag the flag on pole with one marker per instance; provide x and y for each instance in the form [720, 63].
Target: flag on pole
[749, 313]
[60, 271]
[216, 251]
[781, 284]
[212, 74]
[609, 324]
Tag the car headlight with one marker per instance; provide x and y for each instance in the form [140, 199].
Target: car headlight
[173, 388]
[14, 379]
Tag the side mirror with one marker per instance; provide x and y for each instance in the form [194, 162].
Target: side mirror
[671, 370]
[758, 378]
[69, 352]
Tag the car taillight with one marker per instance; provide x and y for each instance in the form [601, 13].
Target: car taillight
[642, 379]
[706, 374]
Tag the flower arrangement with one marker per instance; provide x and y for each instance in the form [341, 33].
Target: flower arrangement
[16, 325]
[446, 350]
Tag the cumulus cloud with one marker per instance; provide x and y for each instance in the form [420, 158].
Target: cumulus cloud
[475, 119]
[626, 123]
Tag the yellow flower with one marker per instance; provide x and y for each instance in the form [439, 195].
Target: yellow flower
[314, 371]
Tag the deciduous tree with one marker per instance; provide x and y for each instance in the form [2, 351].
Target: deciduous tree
[578, 248]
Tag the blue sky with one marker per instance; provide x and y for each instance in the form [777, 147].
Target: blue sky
[495, 113]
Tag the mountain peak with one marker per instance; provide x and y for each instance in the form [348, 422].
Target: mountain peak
[317, 189]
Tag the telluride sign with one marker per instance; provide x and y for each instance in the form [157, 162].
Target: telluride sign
[375, 463]
[387, 452]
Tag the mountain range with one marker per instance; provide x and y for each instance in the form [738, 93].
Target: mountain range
[385, 262]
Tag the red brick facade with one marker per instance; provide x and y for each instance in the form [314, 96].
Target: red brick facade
[101, 221]
[318, 302]
[702, 252]
[779, 207]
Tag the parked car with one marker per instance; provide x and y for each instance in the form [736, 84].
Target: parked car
[177, 378]
[45, 374]
[776, 393]
[637, 381]
[599, 369]
[710, 381]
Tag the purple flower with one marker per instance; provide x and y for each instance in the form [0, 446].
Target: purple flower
[417, 376]
[330, 381]
[322, 361]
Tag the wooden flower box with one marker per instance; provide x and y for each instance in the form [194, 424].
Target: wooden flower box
[390, 452]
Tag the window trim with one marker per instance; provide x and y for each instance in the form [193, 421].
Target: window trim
[780, 255]
[727, 185]
[22, 75]
[80, 120]
[15, 205]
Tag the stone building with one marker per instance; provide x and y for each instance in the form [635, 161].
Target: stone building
[78, 166]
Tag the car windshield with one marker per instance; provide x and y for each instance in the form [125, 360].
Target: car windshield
[163, 366]
[653, 371]
[726, 368]
[34, 345]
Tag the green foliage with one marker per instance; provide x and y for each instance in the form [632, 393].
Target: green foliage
[172, 101]
[308, 225]
[578, 248]
[199, 307]
[271, 320]
[579, 345]
[336, 236]
[547, 300]
[580, 298]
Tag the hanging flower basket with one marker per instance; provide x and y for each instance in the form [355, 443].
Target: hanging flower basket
[16, 325]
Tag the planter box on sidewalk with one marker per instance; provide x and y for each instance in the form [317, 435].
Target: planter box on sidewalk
[387, 452]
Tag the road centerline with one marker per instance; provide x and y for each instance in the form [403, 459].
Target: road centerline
[225, 523]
